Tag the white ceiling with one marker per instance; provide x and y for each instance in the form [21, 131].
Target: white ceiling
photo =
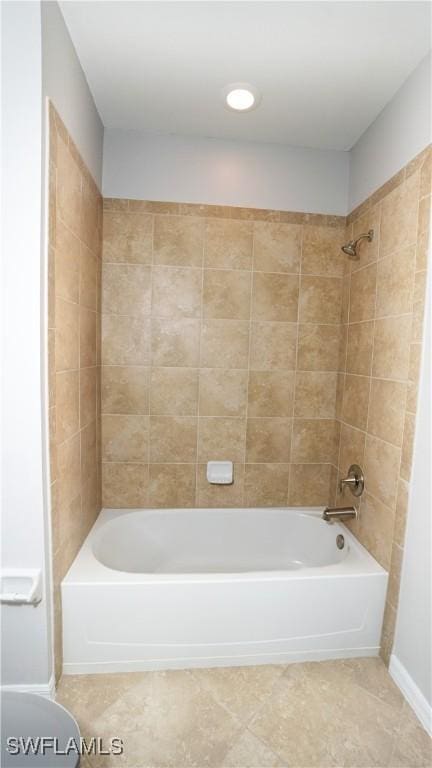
[324, 69]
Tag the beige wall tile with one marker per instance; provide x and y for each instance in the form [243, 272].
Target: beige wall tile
[356, 401]
[88, 395]
[176, 292]
[386, 410]
[318, 347]
[343, 348]
[395, 282]
[352, 446]
[321, 254]
[413, 378]
[268, 440]
[314, 441]
[340, 383]
[426, 174]
[394, 575]
[309, 485]
[392, 348]
[224, 344]
[424, 214]
[222, 392]
[376, 528]
[221, 439]
[346, 286]
[125, 486]
[172, 485]
[368, 252]
[359, 348]
[67, 405]
[68, 188]
[277, 247]
[87, 320]
[88, 283]
[363, 294]
[387, 635]
[273, 346]
[125, 389]
[67, 263]
[52, 444]
[275, 297]
[178, 241]
[399, 215]
[126, 290]
[320, 299]
[381, 469]
[88, 445]
[127, 237]
[125, 340]
[422, 251]
[266, 485]
[417, 321]
[315, 394]
[51, 288]
[90, 502]
[89, 214]
[407, 446]
[215, 496]
[173, 439]
[66, 335]
[401, 512]
[226, 294]
[420, 287]
[125, 438]
[271, 393]
[69, 470]
[174, 391]
[175, 343]
[228, 244]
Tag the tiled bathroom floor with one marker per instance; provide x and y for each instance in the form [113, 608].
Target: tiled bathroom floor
[342, 713]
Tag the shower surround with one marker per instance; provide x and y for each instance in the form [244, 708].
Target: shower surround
[231, 333]
[220, 340]
[74, 267]
[382, 319]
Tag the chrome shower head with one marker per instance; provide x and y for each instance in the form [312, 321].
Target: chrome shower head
[351, 248]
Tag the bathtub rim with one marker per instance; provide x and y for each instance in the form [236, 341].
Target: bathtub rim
[87, 569]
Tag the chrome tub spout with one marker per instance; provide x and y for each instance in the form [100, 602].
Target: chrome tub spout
[339, 513]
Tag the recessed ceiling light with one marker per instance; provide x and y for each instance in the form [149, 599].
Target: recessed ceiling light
[241, 97]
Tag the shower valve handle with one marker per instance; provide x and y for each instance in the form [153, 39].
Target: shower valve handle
[354, 480]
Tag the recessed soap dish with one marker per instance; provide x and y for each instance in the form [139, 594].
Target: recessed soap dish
[220, 472]
[20, 586]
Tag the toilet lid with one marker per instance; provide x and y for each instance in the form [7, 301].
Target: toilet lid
[41, 728]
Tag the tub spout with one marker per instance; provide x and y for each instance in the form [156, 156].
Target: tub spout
[339, 513]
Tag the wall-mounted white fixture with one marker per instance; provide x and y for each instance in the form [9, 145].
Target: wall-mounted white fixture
[20, 586]
[241, 97]
[220, 472]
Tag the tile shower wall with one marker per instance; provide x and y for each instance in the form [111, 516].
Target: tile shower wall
[220, 340]
[75, 234]
[380, 355]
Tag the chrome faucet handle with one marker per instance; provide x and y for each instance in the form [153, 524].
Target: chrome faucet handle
[354, 480]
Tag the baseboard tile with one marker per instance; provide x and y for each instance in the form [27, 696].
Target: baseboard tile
[412, 693]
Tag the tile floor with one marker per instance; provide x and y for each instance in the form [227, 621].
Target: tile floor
[328, 714]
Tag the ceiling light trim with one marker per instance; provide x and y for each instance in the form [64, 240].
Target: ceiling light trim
[241, 86]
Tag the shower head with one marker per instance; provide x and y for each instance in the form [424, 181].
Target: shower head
[351, 248]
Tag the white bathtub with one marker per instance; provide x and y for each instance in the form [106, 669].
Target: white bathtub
[159, 589]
